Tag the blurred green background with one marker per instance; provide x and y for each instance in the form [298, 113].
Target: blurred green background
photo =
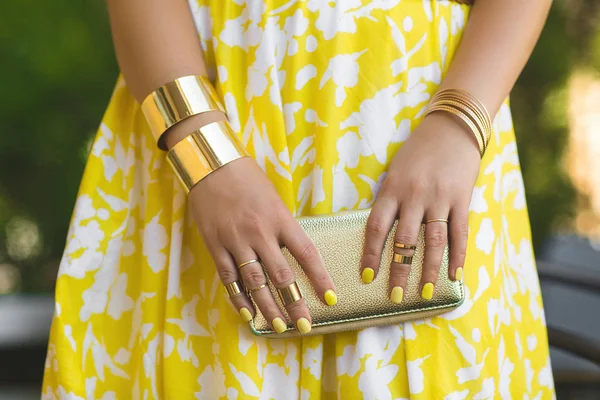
[58, 71]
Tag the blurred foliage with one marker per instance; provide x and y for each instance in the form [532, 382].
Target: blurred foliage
[570, 40]
[539, 107]
[58, 71]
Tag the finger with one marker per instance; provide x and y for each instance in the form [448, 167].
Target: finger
[282, 276]
[459, 234]
[407, 234]
[436, 238]
[256, 282]
[307, 255]
[378, 227]
[228, 273]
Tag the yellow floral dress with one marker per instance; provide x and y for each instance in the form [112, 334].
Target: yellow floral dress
[322, 93]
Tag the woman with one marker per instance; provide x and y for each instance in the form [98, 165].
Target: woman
[329, 99]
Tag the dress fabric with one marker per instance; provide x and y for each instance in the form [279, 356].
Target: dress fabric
[322, 93]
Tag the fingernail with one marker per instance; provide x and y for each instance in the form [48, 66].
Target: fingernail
[303, 326]
[246, 315]
[427, 292]
[458, 275]
[279, 325]
[330, 298]
[397, 294]
[367, 275]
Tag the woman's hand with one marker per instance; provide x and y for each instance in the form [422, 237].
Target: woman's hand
[431, 177]
[242, 218]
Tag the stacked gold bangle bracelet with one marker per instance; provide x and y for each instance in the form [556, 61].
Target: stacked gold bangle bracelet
[469, 109]
[205, 149]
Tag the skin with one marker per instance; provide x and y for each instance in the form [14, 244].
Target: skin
[497, 41]
[237, 209]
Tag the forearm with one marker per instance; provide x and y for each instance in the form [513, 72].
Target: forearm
[497, 42]
[156, 42]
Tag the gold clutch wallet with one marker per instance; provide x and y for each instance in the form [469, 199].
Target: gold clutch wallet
[339, 238]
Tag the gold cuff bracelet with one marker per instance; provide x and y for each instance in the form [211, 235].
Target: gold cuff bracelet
[204, 151]
[178, 100]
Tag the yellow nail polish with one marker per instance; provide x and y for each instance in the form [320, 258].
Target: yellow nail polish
[458, 275]
[427, 292]
[303, 326]
[245, 313]
[367, 275]
[330, 298]
[397, 294]
[279, 325]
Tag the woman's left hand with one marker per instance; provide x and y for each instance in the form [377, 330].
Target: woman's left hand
[431, 177]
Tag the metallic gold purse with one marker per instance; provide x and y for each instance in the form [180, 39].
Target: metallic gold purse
[340, 238]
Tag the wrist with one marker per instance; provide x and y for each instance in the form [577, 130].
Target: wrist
[450, 125]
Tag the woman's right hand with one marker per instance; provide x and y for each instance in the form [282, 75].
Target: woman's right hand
[241, 217]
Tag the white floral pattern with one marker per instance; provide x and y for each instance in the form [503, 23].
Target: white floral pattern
[322, 93]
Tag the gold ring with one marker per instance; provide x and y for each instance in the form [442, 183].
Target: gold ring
[233, 288]
[402, 259]
[405, 246]
[256, 289]
[290, 294]
[436, 220]
[248, 263]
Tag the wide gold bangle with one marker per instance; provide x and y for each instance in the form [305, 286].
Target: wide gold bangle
[178, 100]
[204, 151]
